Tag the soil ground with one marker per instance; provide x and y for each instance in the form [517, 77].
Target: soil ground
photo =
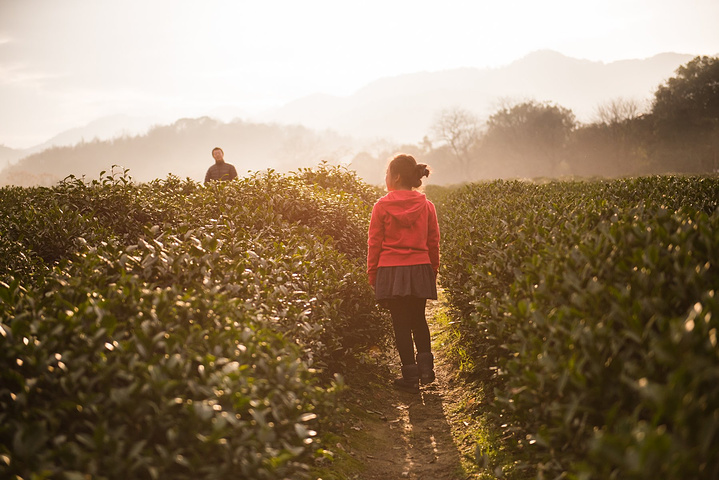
[391, 434]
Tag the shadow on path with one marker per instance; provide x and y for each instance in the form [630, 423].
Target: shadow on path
[399, 435]
[411, 435]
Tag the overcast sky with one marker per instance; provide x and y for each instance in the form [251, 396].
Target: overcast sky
[64, 63]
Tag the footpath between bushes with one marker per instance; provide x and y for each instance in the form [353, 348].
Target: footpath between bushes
[387, 434]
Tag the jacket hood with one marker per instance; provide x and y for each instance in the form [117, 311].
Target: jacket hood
[405, 206]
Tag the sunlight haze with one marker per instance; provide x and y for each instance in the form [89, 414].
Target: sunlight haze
[65, 63]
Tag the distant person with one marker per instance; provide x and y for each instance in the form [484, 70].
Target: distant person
[402, 265]
[221, 170]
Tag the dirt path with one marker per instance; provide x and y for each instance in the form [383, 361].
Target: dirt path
[397, 435]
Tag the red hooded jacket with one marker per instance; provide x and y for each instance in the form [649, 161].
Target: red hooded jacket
[403, 230]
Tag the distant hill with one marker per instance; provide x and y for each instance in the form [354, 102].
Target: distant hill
[105, 128]
[402, 108]
[184, 150]
[8, 155]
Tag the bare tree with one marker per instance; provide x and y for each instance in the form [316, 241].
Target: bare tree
[617, 111]
[460, 130]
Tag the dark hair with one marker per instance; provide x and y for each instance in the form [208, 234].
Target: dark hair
[410, 172]
[218, 148]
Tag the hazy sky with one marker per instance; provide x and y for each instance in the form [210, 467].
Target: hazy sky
[64, 63]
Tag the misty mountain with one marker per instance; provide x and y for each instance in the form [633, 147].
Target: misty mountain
[183, 149]
[403, 108]
[105, 128]
[9, 155]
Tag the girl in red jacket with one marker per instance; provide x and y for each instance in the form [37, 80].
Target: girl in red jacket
[402, 264]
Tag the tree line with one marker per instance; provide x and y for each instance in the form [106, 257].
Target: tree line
[532, 139]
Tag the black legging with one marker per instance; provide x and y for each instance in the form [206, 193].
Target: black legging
[409, 323]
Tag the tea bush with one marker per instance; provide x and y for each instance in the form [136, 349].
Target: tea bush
[45, 223]
[594, 303]
[175, 330]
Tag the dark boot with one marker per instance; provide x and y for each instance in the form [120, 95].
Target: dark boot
[409, 381]
[425, 364]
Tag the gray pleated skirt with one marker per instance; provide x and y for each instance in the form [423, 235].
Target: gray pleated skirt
[406, 281]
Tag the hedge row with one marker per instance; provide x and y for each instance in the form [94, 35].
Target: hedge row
[174, 330]
[594, 306]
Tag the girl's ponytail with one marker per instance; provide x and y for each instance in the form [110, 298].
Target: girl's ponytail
[422, 170]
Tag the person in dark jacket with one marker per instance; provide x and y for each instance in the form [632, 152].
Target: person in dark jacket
[402, 265]
[221, 170]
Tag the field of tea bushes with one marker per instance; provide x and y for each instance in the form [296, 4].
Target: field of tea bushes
[591, 310]
[175, 330]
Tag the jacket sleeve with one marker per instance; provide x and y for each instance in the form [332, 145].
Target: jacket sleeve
[374, 243]
[433, 238]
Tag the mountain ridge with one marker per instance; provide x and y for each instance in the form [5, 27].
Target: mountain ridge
[103, 128]
[545, 75]
[401, 108]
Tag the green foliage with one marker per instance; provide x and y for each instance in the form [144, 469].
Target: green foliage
[175, 330]
[529, 135]
[690, 100]
[341, 180]
[439, 194]
[685, 118]
[594, 304]
[42, 226]
[532, 122]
